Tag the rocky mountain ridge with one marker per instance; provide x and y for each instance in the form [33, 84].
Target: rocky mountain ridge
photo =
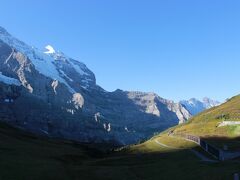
[54, 95]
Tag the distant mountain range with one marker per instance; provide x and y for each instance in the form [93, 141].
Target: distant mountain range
[51, 94]
[195, 106]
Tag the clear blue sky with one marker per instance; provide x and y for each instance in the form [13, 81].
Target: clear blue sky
[176, 48]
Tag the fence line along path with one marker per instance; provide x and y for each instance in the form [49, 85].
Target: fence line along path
[218, 153]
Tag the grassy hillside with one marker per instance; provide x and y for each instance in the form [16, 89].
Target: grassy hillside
[206, 124]
[177, 161]
[24, 156]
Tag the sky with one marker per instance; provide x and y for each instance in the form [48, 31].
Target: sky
[178, 49]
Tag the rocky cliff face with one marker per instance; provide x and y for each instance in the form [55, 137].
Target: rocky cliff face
[52, 94]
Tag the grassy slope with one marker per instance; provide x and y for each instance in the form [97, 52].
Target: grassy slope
[23, 156]
[206, 124]
[166, 163]
[27, 157]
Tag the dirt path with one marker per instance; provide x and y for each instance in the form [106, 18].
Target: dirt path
[196, 153]
[164, 145]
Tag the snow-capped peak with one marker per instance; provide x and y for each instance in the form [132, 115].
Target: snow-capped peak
[50, 50]
[210, 103]
[51, 63]
[195, 106]
[43, 63]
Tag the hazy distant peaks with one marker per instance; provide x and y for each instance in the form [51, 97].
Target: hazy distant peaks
[195, 106]
[210, 103]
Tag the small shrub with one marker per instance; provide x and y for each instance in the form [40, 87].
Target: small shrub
[223, 116]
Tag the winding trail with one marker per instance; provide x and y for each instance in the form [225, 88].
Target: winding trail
[196, 153]
[164, 145]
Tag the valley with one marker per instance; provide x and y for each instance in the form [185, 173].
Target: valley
[57, 123]
[163, 156]
[119, 90]
[25, 156]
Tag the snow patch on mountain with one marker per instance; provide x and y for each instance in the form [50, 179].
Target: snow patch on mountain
[50, 49]
[63, 74]
[77, 67]
[8, 80]
[61, 60]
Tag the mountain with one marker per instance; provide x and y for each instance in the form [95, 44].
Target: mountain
[208, 123]
[219, 126]
[51, 94]
[209, 103]
[195, 106]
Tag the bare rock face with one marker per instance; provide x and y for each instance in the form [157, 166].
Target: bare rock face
[78, 100]
[54, 95]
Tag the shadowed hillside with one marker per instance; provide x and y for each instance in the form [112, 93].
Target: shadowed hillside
[24, 156]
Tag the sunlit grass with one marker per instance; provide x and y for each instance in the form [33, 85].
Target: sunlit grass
[23, 156]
